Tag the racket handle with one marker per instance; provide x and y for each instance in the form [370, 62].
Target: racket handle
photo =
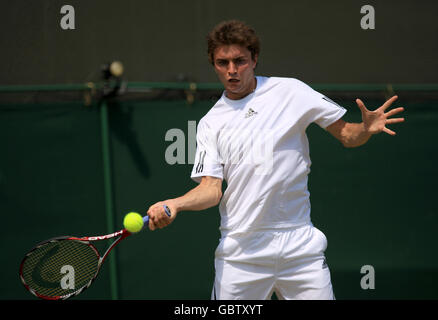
[146, 217]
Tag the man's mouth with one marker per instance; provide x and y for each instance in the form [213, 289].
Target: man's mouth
[233, 80]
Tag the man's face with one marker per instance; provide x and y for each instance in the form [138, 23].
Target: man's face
[235, 68]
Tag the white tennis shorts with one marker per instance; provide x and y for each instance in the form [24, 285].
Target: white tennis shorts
[289, 262]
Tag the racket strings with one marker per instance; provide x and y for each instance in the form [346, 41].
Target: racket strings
[60, 267]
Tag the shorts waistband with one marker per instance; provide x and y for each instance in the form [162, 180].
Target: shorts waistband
[237, 232]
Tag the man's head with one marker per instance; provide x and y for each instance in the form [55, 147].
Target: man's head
[233, 49]
[232, 32]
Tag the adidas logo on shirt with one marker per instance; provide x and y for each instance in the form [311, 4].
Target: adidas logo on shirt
[250, 113]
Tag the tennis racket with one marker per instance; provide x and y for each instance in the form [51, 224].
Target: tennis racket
[63, 267]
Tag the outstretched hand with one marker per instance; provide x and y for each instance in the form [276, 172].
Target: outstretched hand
[376, 121]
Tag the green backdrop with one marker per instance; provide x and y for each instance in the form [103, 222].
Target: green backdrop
[375, 203]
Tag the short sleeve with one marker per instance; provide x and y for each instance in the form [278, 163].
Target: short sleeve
[324, 111]
[207, 160]
[318, 108]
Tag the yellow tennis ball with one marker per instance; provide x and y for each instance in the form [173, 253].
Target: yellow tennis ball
[133, 222]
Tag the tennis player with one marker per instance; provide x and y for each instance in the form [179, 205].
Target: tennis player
[254, 138]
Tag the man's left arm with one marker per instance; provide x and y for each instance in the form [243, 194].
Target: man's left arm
[373, 122]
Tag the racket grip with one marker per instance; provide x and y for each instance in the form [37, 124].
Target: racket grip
[146, 217]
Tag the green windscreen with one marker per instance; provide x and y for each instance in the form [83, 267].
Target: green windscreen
[375, 203]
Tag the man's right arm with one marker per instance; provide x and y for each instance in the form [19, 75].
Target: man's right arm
[205, 195]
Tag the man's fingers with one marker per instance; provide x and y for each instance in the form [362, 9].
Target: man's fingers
[159, 224]
[156, 223]
[388, 103]
[361, 105]
[151, 225]
[394, 111]
[158, 218]
[388, 131]
[395, 120]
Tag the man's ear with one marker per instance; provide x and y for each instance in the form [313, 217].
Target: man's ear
[256, 57]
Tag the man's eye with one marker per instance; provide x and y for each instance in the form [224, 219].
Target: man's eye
[222, 63]
[240, 61]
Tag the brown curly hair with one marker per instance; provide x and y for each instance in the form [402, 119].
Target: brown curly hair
[232, 32]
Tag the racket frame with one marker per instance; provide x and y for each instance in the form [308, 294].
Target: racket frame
[122, 234]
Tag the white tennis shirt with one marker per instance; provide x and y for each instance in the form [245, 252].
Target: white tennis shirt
[258, 145]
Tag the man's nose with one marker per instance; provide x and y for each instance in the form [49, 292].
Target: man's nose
[232, 69]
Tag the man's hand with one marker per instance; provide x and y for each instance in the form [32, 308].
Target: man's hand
[158, 217]
[376, 121]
